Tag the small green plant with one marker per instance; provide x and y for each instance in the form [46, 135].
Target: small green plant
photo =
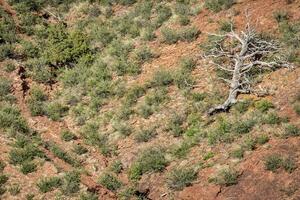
[249, 143]
[14, 189]
[226, 177]
[182, 149]
[3, 179]
[262, 139]
[242, 127]
[71, 182]
[169, 36]
[67, 136]
[291, 130]
[175, 125]
[281, 16]
[189, 34]
[289, 165]
[150, 160]
[145, 135]
[116, 166]
[273, 162]
[208, 155]
[9, 67]
[89, 196]
[242, 106]
[28, 167]
[36, 101]
[56, 111]
[161, 78]
[48, 184]
[110, 182]
[179, 178]
[226, 26]
[145, 110]
[271, 118]
[218, 5]
[61, 154]
[238, 153]
[79, 149]
[263, 105]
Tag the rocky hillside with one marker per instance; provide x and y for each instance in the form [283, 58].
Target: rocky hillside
[111, 99]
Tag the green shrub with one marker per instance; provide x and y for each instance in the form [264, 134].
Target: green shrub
[63, 48]
[175, 125]
[145, 135]
[169, 36]
[25, 154]
[271, 118]
[67, 136]
[226, 26]
[126, 2]
[14, 189]
[218, 5]
[2, 166]
[238, 153]
[208, 155]
[56, 111]
[6, 51]
[226, 177]
[189, 34]
[183, 20]
[71, 183]
[150, 160]
[242, 127]
[249, 143]
[161, 78]
[148, 34]
[183, 79]
[292, 130]
[263, 105]
[61, 154]
[182, 149]
[133, 94]
[49, 184]
[36, 101]
[6, 87]
[9, 67]
[145, 110]
[262, 139]
[222, 132]
[89, 196]
[3, 179]
[281, 16]
[123, 128]
[273, 162]
[144, 54]
[116, 166]
[79, 149]
[242, 106]
[110, 182]
[163, 14]
[288, 165]
[7, 28]
[179, 178]
[28, 167]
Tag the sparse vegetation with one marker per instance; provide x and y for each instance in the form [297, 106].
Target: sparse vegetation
[179, 178]
[125, 79]
[110, 182]
[150, 160]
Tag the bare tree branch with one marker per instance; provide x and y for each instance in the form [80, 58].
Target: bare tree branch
[242, 52]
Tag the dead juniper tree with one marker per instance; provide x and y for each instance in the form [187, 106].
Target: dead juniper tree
[238, 54]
